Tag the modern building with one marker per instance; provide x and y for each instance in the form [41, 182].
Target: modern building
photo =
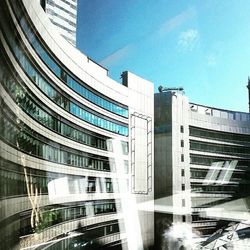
[76, 149]
[63, 14]
[202, 168]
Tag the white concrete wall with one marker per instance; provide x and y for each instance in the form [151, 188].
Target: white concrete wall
[141, 104]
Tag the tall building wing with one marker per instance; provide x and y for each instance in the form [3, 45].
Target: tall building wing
[63, 14]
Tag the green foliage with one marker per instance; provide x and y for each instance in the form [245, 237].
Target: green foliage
[48, 218]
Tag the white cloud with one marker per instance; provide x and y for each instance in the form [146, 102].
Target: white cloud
[211, 60]
[188, 40]
[215, 53]
[162, 30]
[175, 21]
[117, 55]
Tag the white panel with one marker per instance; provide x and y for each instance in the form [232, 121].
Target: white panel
[140, 153]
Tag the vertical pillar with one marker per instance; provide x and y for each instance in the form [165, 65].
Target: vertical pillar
[248, 86]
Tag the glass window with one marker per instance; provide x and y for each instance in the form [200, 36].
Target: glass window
[49, 90]
[182, 172]
[182, 157]
[183, 203]
[181, 129]
[54, 67]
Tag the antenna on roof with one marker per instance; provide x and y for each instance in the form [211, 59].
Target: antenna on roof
[165, 89]
[248, 86]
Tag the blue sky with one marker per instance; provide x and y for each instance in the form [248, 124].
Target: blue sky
[203, 46]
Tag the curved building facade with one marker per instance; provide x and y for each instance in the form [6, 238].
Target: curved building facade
[203, 154]
[76, 147]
